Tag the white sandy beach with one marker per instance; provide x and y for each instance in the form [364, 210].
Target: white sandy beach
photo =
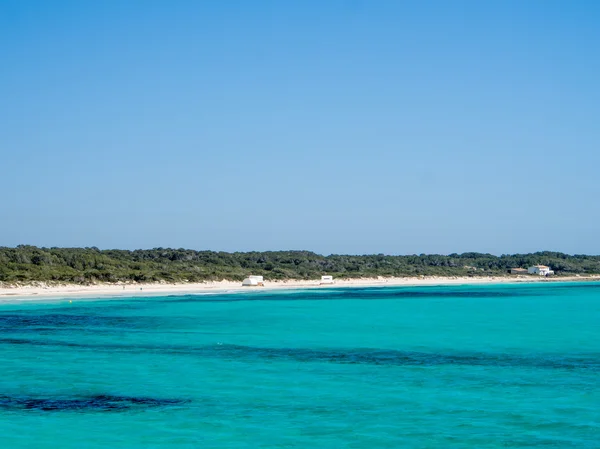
[44, 291]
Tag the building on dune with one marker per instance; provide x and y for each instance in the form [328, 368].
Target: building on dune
[326, 280]
[518, 271]
[540, 270]
[253, 281]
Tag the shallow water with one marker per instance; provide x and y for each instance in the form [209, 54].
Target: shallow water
[464, 367]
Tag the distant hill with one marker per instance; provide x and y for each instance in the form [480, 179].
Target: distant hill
[25, 264]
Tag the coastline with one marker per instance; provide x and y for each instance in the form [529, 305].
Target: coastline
[43, 291]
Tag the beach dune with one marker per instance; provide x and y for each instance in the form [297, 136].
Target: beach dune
[41, 290]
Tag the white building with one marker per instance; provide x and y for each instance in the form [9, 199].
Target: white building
[253, 281]
[326, 280]
[541, 270]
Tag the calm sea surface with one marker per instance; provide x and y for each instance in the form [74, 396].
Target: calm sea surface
[428, 367]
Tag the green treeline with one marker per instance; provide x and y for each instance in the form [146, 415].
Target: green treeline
[25, 264]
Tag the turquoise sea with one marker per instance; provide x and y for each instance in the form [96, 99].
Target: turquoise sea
[429, 367]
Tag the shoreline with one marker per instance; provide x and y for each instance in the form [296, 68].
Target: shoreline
[40, 291]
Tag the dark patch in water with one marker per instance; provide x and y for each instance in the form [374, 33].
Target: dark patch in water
[16, 320]
[371, 293]
[105, 403]
[56, 324]
[342, 356]
[411, 358]
[580, 285]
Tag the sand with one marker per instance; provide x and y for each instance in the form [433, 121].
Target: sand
[44, 291]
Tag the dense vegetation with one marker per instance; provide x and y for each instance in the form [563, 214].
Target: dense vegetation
[25, 264]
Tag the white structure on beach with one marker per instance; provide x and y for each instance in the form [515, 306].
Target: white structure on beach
[541, 270]
[253, 281]
[326, 280]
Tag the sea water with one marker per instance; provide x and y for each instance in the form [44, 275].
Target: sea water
[429, 367]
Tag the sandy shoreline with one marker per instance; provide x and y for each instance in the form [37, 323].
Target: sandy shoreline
[42, 291]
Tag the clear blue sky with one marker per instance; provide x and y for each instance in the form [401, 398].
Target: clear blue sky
[336, 126]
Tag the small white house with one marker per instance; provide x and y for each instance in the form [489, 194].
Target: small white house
[326, 280]
[541, 270]
[253, 281]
